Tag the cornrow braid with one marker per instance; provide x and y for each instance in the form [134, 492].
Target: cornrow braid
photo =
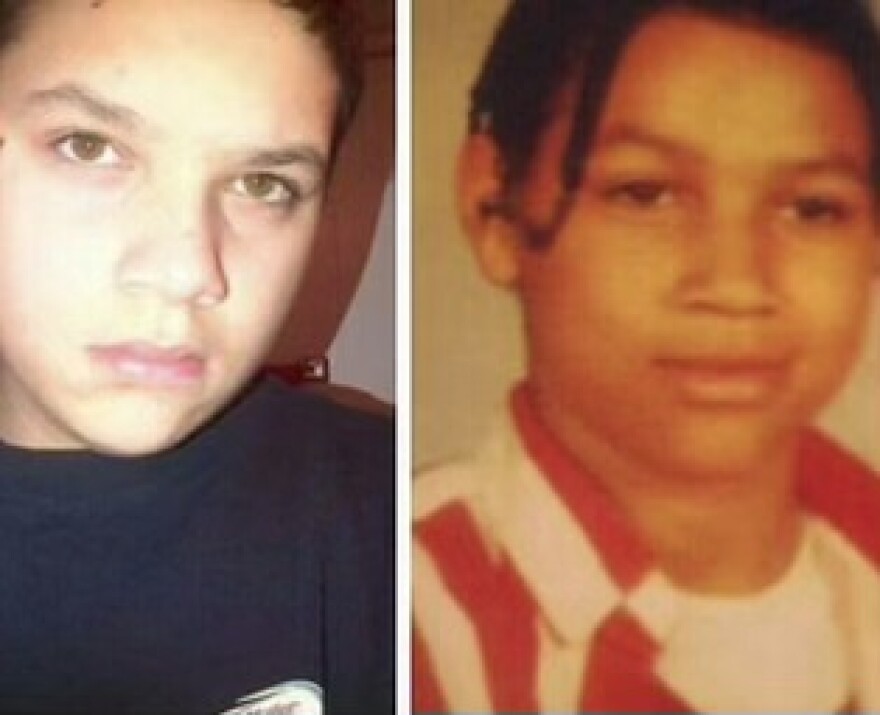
[542, 45]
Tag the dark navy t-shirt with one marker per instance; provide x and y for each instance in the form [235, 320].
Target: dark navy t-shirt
[259, 552]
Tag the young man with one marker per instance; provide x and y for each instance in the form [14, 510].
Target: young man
[682, 196]
[175, 536]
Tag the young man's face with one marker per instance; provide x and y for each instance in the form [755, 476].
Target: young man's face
[708, 290]
[160, 179]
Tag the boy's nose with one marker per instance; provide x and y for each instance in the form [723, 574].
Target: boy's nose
[730, 270]
[177, 255]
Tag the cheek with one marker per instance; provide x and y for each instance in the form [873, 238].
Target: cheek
[830, 304]
[831, 294]
[44, 212]
[612, 288]
[49, 264]
[263, 281]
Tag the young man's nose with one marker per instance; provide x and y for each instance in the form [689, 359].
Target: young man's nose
[177, 254]
[730, 268]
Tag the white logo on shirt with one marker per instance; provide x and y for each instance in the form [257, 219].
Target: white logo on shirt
[295, 697]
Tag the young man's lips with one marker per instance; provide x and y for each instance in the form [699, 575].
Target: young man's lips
[145, 363]
[725, 381]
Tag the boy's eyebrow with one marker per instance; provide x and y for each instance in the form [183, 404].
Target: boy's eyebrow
[623, 134]
[296, 154]
[836, 162]
[87, 101]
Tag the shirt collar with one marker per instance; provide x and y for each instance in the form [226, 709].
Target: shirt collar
[565, 536]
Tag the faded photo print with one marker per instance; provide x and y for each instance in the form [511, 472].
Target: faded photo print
[647, 356]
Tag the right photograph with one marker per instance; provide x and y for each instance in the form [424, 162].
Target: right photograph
[646, 359]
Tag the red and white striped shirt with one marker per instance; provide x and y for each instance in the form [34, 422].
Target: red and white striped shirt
[532, 593]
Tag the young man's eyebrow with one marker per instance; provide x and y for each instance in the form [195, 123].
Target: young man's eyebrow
[297, 154]
[628, 134]
[85, 100]
[839, 163]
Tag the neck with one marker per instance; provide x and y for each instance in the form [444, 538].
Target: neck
[724, 539]
[731, 531]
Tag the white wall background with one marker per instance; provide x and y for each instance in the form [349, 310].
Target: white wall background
[362, 353]
[345, 306]
[466, 335]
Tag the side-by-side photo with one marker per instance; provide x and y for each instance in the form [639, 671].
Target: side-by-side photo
[646, 358]
[197, 357]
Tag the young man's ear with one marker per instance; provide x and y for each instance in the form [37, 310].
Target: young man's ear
[480, 187]
[876, 253]
[875, 245]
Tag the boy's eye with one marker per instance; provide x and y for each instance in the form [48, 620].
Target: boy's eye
[818, 210]
[266, 188]
[84, 148]
[640, 194]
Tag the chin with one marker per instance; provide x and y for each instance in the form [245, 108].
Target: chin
[725, 451]
[139, 429]
[141, 443]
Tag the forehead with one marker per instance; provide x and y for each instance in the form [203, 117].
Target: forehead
[724, 84]
[217, 64]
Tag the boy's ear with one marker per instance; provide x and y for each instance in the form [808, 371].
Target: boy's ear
[493, 236]
[875, 245]
[876, 254]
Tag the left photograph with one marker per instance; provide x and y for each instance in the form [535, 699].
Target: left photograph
[197, 441]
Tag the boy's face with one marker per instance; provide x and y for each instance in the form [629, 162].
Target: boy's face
[708, 290]
[160, 182]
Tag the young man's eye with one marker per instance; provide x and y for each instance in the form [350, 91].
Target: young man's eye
[84, 148]
[640, 194]
[267, 188]
[819, 210]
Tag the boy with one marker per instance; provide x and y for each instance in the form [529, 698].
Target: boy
[682, 195]
[176, 536]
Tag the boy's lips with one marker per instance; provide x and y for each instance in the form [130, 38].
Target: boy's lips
[725, 381]
[149, 364]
